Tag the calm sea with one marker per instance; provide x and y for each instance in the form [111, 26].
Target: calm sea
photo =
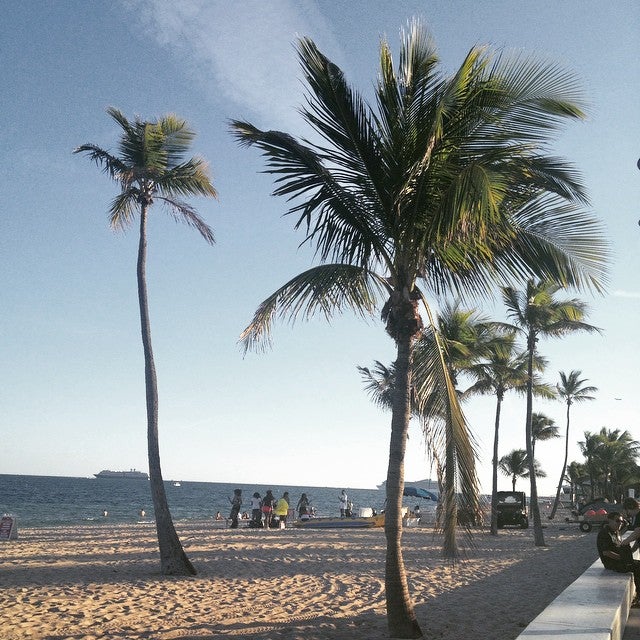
[41, 501]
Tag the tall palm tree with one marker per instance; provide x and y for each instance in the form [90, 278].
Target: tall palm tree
[536, 314]
[571, 389]
[516, 464]
[542, 428]
[445, 187]
[151, 167]
[503, 370]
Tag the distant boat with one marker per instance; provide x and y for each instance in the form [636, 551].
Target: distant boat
[177, 484]
[132, 474]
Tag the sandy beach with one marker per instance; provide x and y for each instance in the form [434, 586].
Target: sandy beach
[98, 582]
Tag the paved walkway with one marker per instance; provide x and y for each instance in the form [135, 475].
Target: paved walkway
[632, 630]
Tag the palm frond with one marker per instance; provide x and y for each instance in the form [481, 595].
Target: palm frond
[326, 289]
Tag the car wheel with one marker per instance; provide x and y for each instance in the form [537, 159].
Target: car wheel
[585, 527]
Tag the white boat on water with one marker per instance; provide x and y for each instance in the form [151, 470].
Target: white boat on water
[132, 474]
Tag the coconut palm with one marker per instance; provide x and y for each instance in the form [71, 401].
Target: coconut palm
[503, 370]
[466, 337]
[151, 167]
[516, 464]
[616, 456]
[542, 428]
[444, 187]
[537, 313]
[571, 389]
[589, 449]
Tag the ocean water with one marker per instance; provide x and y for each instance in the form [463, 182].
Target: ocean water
[42, 501]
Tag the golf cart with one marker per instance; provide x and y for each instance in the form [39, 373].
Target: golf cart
[512, 509]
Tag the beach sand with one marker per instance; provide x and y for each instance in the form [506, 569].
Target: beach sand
[100, 582]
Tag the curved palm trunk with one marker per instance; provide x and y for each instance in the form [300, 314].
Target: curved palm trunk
[450, 546]
[401, 617]
[173, 560]
[564, 468]
[494, 479]
[538, 533]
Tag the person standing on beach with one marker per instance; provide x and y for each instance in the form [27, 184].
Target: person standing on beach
[344, 503]
[267, 508]
[236, 503]
[303, 507]
[616, 556]
[282, 509]
[256, 510]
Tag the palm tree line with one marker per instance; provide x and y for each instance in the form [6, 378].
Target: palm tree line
[442, 188]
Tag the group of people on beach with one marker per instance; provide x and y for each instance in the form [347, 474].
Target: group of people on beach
[267, 511]
[615, 552]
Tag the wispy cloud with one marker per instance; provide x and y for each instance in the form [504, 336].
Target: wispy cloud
[626, 294]
[242, 51]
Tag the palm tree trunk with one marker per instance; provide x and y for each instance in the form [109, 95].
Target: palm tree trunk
[564, 468]
[494, 479]
[401, 617]
[173, 560]
[538, 533]
[449, 546]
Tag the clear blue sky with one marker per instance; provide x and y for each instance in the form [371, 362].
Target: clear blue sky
[71, 387]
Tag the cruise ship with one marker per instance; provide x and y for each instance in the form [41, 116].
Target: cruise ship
[127, 475]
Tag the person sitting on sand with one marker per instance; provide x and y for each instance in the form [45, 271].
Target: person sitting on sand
[616, 556]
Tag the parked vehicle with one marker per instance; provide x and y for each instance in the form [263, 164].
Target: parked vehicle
[512, 509]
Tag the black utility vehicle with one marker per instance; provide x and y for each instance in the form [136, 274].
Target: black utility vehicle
[512, 509]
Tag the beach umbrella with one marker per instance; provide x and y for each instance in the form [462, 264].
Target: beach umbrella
[417, 492]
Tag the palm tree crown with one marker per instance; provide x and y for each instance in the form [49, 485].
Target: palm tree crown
[152, 166]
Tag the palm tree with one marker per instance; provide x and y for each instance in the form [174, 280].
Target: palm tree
[466, 337]
[502, 371]
[617, 451]
[571, 389]
[516, 464]
[445, 187]
[537, 314]
[589, 449]
[152, 167]
[575, 476]
[542, 428]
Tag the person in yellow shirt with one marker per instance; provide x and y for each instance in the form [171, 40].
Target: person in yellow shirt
[282, 508]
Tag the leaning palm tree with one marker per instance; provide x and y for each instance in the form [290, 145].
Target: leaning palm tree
[502, 370]
[151, 167]
[466, 337]
[571, 389]
[542, 428]
[537, 313]
[516, 465]
[444, 187]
